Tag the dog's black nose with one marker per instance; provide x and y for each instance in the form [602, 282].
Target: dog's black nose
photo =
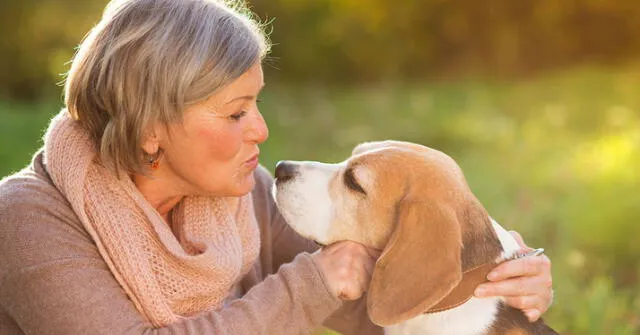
[285, 171]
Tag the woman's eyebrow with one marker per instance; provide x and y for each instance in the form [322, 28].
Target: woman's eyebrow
[245, 97]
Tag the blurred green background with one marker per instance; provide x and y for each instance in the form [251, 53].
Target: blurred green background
[538, 101]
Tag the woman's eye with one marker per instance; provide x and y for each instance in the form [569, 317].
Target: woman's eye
[237, 116]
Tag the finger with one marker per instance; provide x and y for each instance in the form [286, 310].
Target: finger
[526, 266]
[360, 285]
[348, 296]
[545, 300]
[366, 281]
[549, 300]
[369, 265]
[532, 314]
[518, 238]
[512, 287]
[374, 253]
[524, 302]
[353, 289]
[331, 248]
[346, 244]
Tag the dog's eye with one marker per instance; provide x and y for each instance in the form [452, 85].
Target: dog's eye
[351, 182]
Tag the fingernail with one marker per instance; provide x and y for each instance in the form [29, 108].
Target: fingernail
[492, 276]
[532, 315]
[480, 291]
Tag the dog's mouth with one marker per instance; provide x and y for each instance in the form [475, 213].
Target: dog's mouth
[282, 180]
[319, 244]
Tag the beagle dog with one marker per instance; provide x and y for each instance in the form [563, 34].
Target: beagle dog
[438, 241]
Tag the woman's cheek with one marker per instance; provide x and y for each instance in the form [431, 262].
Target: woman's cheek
[223, 145]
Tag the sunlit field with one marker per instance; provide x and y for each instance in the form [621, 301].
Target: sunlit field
[555, 157]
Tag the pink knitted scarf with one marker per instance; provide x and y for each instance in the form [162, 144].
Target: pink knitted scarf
[168, 274]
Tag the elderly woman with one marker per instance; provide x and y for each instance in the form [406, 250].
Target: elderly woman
[146, 211]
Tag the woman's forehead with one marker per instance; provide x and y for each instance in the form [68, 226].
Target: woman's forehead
[247, 86]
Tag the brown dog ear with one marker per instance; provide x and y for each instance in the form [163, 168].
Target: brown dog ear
[419, 266]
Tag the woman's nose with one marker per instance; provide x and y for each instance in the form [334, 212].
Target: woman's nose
[258, 131]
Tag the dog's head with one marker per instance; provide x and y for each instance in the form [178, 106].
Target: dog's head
[409, 200]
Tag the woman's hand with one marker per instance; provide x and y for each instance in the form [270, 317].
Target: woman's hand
[347, 267]
[525, 283]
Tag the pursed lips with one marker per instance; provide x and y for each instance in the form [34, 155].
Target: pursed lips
[252, 162]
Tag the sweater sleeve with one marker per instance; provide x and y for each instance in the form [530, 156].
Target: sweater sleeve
[53, 280]
[280, 244]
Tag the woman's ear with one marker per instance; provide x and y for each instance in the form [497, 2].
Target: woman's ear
[151, 140]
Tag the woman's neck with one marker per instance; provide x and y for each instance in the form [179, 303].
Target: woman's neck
[158, 193]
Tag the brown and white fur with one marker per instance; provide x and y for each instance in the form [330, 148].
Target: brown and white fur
[413, 203]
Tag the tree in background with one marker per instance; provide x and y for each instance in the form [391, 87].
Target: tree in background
[347, 41]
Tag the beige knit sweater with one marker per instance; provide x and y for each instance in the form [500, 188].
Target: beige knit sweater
[53, 280]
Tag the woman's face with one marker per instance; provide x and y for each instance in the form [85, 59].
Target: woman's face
[215, 150]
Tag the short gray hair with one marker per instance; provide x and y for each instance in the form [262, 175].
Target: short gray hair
[148, 59]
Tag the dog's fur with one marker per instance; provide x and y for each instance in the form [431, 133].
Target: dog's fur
[413, 203]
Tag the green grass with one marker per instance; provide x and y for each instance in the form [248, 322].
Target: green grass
[21, 128]
[554, 157]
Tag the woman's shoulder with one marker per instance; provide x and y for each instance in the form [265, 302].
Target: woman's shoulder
[29, 189]
[34, 216]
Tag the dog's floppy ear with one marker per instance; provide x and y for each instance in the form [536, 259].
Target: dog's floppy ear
[419, 266]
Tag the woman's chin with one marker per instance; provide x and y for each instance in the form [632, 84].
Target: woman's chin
[247, 186]
[235, 188]
[243, 187]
